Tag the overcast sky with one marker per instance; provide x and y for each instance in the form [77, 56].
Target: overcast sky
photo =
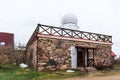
[22, 16]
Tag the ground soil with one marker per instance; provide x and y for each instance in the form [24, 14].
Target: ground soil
[115, 77]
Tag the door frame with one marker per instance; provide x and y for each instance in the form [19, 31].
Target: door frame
[85, 56]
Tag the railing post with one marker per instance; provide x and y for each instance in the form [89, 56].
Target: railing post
[81, 35]
[89, 36]
[110, 39]
[97, 37]
[61, 32]
[38, 26]
[51, 31]
[72, 33]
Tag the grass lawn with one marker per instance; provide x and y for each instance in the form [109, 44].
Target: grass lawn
[13, 72]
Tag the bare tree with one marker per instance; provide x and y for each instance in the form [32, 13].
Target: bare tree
[11, 54]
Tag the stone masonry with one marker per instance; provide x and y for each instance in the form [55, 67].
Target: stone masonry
[54, 54]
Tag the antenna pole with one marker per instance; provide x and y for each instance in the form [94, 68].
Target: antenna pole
[60, 20]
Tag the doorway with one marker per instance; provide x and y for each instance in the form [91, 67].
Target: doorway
[80, 57]
[85, 56]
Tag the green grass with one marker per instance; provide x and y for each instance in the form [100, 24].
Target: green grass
[117, 66]
[13, 72]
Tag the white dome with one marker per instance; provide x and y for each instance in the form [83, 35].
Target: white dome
[69, 18]
[70, 21]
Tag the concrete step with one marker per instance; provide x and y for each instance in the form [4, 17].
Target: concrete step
[87, 69]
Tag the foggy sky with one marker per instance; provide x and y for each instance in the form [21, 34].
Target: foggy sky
[22, 16]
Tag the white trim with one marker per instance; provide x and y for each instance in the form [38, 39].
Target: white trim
[73, 39]
[73, 57]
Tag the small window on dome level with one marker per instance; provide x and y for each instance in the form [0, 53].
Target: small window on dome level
[2, 43]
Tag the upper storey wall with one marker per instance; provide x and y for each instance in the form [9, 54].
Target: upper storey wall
[6, 39]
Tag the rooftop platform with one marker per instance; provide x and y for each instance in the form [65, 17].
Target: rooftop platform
[60, 33]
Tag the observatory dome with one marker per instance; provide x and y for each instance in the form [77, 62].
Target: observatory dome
[70, 21]
[69, 18]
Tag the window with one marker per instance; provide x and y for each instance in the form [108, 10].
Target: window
[2, 43]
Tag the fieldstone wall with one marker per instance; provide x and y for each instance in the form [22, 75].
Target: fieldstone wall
[6, 54]
[102, 56]
[31, 52]
[54, 54]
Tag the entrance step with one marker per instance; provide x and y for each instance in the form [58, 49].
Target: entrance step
[87, 69]
[91, 69]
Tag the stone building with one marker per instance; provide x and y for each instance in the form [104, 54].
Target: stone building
[66, 47]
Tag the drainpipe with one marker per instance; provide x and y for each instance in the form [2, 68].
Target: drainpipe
[85, 57]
